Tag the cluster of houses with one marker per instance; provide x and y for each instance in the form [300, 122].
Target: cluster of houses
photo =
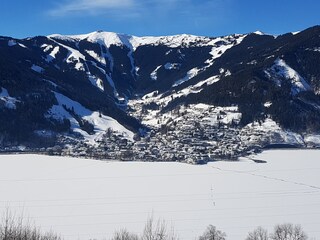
[192, 135]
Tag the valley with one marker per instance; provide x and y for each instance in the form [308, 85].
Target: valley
[183, 98]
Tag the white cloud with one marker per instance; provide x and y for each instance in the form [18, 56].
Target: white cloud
[156, 11]
[90, 6]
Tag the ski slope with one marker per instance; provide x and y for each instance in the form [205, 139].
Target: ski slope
[89, 199]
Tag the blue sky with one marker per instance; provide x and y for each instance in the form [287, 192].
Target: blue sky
[24, 18]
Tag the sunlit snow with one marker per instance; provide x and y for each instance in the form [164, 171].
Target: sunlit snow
[96, 81]
[190, 74]
[281, 70]
[270, 128]
[100, 122]
[88, 199]
[153, 75]
[52, 54]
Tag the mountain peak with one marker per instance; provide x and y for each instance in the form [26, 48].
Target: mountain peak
[259, 32]
[133, 42]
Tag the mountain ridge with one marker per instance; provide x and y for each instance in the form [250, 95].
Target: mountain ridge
[145, 83]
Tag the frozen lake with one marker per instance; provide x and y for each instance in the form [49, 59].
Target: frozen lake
[84, 199]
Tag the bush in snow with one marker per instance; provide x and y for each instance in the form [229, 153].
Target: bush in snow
[14, 228]
[123, 234]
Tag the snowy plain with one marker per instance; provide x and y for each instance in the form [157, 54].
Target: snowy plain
[86, 199]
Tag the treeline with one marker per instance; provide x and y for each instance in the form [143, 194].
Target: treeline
[159, 231]
[13, 227]
[18, 228]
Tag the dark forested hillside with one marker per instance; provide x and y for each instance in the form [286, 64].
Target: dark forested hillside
[114, 95]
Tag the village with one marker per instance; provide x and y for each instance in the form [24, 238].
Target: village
[195, 135]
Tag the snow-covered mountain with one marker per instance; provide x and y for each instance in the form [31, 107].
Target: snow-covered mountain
[115, 95]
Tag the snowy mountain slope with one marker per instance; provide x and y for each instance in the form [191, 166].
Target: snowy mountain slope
[138, 92]
[99, 121]
[215, 47]
[281, 71]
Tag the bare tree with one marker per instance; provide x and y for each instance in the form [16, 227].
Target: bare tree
[212, 233]
[288, 231]
[258, 234]
[157, 231]
[14, 228]
[298, 233]
[123, 234]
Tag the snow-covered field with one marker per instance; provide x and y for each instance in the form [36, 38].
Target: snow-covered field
[84, 199]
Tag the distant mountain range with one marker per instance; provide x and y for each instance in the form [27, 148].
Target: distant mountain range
[183, 98]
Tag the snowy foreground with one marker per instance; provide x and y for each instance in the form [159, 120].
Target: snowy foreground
[84, 199]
